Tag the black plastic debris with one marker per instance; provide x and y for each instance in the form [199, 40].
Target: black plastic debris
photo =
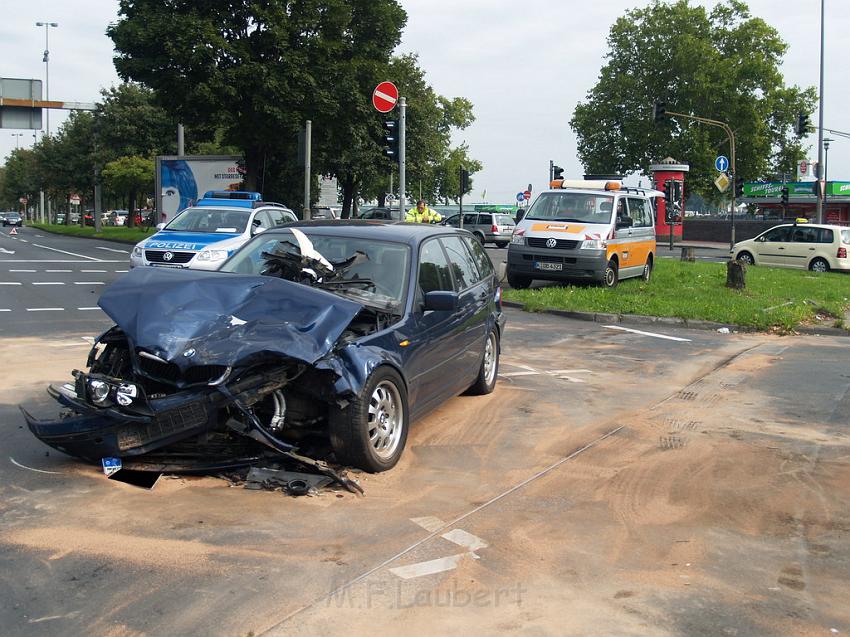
[291, 482]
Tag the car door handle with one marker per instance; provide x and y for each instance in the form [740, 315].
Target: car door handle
[781, 248]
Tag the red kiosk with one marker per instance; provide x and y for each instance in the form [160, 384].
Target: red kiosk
[669, 170]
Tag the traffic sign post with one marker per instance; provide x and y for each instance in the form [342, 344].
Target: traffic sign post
[384, 98]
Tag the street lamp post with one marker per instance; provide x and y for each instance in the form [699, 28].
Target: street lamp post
[17, 137]
[46, 61]
[821, 188]
[826, 166]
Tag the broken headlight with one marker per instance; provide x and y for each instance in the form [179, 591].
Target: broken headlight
[126, 394]
[98, 391]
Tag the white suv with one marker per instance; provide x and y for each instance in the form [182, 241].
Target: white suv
[816, 247]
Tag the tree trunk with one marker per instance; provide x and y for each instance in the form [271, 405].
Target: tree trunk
[131, 218]
[735, 275]
[253, 169]
[348, 192]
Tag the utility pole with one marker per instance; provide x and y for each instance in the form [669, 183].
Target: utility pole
[819, 175]
[308, 131]
[181, 147]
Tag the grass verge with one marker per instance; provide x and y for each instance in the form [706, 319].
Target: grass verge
[773, 299]
[118, 233]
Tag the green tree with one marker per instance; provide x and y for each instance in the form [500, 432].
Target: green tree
[131, 176]
[130, 122]
[722, 64]
[19, 178]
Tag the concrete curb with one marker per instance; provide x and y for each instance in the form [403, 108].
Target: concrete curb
[695, 324]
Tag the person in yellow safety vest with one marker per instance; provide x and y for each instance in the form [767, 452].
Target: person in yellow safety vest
[423, 214]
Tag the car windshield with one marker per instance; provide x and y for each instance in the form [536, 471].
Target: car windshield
[572, 206]
[210, 220]
[371, 272]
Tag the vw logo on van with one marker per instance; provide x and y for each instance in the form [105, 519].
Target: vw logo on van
[551, 243]
[167, 256]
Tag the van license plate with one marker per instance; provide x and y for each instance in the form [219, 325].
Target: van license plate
[544, 265]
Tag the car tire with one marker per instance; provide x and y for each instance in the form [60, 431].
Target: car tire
[489, 370]
[819, 265]
[370, 433]
[501, 244]
[611, 275]
[745, 257]
[518, 282]
[647, 269]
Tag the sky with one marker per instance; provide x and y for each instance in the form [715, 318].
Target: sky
[524, 65]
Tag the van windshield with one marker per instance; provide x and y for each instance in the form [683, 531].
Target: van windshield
[572, 206]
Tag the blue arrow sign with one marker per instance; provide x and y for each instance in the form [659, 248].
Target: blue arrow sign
[722, 163]
[520, 196]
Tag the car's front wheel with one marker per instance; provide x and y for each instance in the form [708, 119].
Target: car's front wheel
[370, 433]
[501, 244]
[517, 281]
[489, 370]
[611, 275]
[746, 257]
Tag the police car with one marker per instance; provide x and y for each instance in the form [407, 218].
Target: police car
[203, 236]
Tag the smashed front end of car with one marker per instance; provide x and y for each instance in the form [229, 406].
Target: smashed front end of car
[206, 371]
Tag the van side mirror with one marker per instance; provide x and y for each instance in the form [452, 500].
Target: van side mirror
[440, 301]
[520, 214]
[624, 222]
[160, 226]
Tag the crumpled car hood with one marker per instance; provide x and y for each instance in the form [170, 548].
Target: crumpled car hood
[193, 317]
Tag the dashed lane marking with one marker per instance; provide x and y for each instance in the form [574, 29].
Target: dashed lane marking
[48, 283]
[89, 283]
[10, 283]
[45, 309]
[113, 250]
[121, 271]
[56, 270]
[642, 333]
[87, 308]
[5, 310]
[430, 567]
[27, 270]
[39, 236]
[93, 271]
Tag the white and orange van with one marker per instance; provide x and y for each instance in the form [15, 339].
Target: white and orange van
[585, 229]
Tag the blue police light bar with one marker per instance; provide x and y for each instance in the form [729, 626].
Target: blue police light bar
[232, 194]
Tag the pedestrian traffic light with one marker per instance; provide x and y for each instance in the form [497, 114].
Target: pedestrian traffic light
[391, 138]
[784, 192]
[802, 124]
[557, 172]
[739, 187]
[660, 111]
[464, 180]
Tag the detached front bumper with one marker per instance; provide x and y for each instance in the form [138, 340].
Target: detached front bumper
[93, 433]
[555, 264]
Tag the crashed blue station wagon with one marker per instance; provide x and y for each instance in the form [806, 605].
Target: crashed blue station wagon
[346, 331]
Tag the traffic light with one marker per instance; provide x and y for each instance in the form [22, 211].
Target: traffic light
[391, 138]
[557, 172]
[802, 124]
[464, 180]
[669, 193]
[739, 187]
[660, 112]
[784, 192]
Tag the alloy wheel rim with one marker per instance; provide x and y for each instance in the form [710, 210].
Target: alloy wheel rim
[385, 420]
[490, 359]
[819, 266]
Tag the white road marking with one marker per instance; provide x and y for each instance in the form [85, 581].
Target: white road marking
[88, 308]
[5, 251]
[23, 240]
[18, 464]
[113, 250]
[40, 236]
[440, 565]
[57, 270]
[48, 283]
[59, 260]
[72, 344]
[88, 339]
[89, 283]
[24, 270]
[510, 374]
[10, 283]
[45, 309]
[429, 523]
[570, 371]
[464, 539]
[5, 310]
[73, 254]
[121, 271]
[641, 333]
[92, 270]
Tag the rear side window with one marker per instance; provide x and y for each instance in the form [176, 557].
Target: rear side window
[845, 235]
[803, 234]
[434, 274]
[463, 267]
[825, 235]
[485, 266]
[505, 220]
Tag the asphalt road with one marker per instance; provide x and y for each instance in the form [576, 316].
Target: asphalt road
[49, 284]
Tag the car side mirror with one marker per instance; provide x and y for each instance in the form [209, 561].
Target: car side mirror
[440, 301]
[625, 222]
[520, 214]
[160, 226]
[257, 230]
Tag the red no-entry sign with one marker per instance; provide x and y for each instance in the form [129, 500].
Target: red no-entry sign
[385, 97]
[526, 195]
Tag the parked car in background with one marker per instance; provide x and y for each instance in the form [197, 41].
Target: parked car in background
[3, 216]
[488, 227]
[808, 246]
[13, 219]
[381, 212]
[325, 212]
